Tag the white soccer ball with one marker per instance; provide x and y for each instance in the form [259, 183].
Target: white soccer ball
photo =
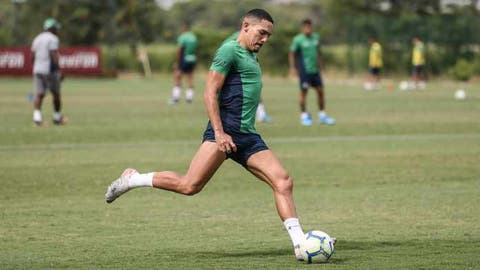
[403, 85]
[460, 94]
[317, 247]
[368, 86]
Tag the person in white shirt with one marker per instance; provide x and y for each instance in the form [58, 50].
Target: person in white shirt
[46, 71]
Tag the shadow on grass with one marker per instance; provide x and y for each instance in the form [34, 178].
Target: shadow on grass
[344, 250]
[260, 254]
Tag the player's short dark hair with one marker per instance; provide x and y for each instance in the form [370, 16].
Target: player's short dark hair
[260, 14]
[307, 22]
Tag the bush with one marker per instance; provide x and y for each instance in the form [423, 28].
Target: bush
[208, 42]
[462, 70]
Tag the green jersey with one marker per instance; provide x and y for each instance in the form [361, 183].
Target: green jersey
[240, 94]
[188, 42]
[306, 52]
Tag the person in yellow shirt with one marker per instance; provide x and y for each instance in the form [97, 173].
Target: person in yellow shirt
[418, 63]
[375, 64]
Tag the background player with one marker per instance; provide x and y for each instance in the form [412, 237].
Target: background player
[304, 59]
[375, 64]
[184, 64]
[46, 71]
[231, 96]
[418, 63]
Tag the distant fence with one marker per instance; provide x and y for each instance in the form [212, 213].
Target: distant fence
[81, 61]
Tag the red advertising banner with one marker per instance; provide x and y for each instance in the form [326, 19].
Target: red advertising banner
[82, 61]
[15, 61]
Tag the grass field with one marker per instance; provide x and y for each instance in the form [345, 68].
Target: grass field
[397, 180]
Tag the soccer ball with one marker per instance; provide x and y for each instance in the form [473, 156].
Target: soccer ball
[317, 247]
[403, 85]
[460, 94]
[368, 86]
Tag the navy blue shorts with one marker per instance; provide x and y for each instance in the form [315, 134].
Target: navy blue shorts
[307, 80]
[247, 144]
[417, 69]
[186, 67]
[375, 70]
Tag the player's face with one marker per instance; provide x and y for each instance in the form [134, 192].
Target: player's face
[258, 34]
[307, 29]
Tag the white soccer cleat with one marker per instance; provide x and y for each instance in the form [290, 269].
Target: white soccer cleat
[119, 186]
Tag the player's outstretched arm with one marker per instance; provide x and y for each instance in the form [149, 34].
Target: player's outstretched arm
[291, 64]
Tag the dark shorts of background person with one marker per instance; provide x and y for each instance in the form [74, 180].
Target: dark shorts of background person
[44, 82]
[417, 69]
[186, 67]
[375, 71]
[312, 79]
[247, 144]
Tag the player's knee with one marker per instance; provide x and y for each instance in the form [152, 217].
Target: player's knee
[284, 184]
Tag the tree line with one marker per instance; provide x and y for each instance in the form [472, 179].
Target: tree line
[451, 33]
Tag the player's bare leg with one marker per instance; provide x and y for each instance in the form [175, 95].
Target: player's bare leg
[320, 99]
[323, 118]
[58, 118]
[305, 117]
[203, 166]
[37, 106]
[177, 88]
[267, 167]
[189, 91]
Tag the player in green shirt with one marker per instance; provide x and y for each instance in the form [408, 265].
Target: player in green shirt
[304, 60]
[232, 92]
[184, 64]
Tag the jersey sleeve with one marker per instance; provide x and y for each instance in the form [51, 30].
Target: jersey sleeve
[294, 45]
[180, 40]
[53, 44]
[223, 60]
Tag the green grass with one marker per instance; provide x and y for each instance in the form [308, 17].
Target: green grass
[397, 180]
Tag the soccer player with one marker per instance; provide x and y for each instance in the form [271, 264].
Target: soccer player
[46, 71]
[261, 115]
[232, 92]
[418, 62]
[304, 60]
[184, 64]
[375, 64]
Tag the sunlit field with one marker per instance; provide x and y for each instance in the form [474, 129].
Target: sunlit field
[396, 181]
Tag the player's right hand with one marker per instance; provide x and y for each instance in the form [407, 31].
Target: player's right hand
[225, 142]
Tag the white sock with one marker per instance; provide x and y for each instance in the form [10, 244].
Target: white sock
[411, 85]
[57, 116]
[176, 93]
[37, 116]
[322, 114]
[304, 115]
[422, 84]
[260, 111]
[189, 94]
[141, 180]
[294, 230]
